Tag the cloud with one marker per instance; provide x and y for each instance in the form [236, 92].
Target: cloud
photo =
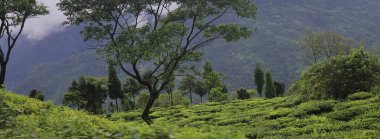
[39, 27]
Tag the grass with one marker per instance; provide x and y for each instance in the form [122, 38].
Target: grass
[283, 117]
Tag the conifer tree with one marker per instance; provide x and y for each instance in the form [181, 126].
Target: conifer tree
[259, 79]
[280, 88]
[270, 91]
[114, 85]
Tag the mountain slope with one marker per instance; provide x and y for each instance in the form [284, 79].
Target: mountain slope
[22, 117]
[357, 117]
[52, 63]
[284, 117]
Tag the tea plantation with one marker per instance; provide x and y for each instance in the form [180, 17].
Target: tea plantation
[283, 117]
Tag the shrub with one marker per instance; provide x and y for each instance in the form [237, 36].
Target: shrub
[243, 94]
[360, 96]
[216, 95]
[339, 76]
[313, 107]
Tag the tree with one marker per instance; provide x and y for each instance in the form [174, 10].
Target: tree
[259, 79]
[170, 88]
[188, 84]
[212, 79]
[216, 95]
[37, 94]
[132, 88]
[13, 15]
[280, 88]
[323, 45]
[270, 90]
[200, 89]
[243, 94]
[161, 35]
[89, 95]
[338, 77]
[114, 85]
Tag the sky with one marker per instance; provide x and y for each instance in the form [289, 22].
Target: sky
[39, 27]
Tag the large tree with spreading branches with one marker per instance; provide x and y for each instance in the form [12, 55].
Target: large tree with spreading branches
[13, 15]
[153, 39]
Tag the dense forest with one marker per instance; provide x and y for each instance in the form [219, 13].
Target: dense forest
[191, 69]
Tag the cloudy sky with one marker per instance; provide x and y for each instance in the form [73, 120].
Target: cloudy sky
[40, 27]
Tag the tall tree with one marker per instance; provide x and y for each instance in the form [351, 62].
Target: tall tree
[170, 88]
[132, 87]
[114, 85]
[212, 79]
[259, 79]
[90, 95]
[270, 91]
[188, 84]
[280, 88]
[160, 35]
[13, 15]
[200, 89]
[323, 45]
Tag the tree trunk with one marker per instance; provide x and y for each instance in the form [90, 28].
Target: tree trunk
[145, 114]
[171, 98]
[2, 74]
[201, 99]
[134, 101]
[117, 106]
[191, 96]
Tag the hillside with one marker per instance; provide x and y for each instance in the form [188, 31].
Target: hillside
[52, 63]
[358, 117]
[22, 117]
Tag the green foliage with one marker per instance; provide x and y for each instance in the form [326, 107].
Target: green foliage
[339, 77]
[360, 96]
[217, 95]
[13, 16]
[259, 79]
[177, 97]
[172, 37]
[132, 88]
[245, 94]
[142, 99]
[89, 94]
[280, 88]
[212, 79]
[22, 117]
[114, 85]
[270, 90]
[189, 84]
[323, 45]
[37, 94]
[281, 117]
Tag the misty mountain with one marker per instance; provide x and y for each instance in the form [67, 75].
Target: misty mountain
[52, 63]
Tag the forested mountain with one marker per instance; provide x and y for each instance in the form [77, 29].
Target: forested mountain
[52, 63]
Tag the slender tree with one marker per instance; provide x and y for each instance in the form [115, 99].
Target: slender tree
[259, 79]
[13, 15]
[270, 90]
[188, 84]
[280, 88]
[200, 89]
[170, 88]
[132, 87]
[160, 35]
[212, 79]
[114, 86]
